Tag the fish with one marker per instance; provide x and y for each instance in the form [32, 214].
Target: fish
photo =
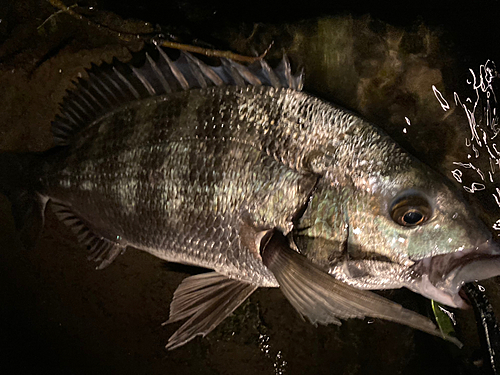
[236, 169]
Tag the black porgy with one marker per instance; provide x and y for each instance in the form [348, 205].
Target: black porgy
[235, 169]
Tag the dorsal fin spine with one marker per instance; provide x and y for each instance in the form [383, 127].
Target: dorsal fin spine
[117, 84]
[287, 71]
[71, 114]
[127, 83]
[246, 74]
[107, 94]
[94, 93]
[270, 73]
[101, 80]
[68, 115]
[62, 124]
[206, 70]
[233, 73]
[158, 74]
[175, 71]
[78, 106]
[96, 102]
[144, 81]
[86, 102]
[195, 70]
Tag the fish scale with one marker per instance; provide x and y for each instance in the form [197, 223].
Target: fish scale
[205, 171]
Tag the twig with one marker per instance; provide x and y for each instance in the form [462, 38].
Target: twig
[63, 8]
[214, 52]
[55, 14]
[185, 47]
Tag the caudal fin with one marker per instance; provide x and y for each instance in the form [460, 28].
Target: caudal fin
[18, 183]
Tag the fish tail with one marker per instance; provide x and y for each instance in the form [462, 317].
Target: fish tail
[19, 182]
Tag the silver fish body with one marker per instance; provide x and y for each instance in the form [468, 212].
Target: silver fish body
[203, 173]
[186, 176]
[181, 176]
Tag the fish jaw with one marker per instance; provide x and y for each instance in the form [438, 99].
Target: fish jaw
[442, 276]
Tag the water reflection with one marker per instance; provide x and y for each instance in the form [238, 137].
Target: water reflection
[277, 357]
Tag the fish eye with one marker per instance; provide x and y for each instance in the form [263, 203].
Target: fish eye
[411, 210]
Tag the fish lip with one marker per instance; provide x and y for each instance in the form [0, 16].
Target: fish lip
[441, 277]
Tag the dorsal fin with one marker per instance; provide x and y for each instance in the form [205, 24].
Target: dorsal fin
[110, 86]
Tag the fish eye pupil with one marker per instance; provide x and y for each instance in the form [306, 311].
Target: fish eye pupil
[411, 210]
[412, 217]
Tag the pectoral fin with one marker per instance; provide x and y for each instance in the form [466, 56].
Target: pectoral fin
[206, 299]
[322, 299]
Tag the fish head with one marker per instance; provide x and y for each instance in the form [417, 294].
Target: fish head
[407, 229]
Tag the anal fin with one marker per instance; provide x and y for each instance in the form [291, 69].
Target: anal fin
[101, 249]
[206, 299]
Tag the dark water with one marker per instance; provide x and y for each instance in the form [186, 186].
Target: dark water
[59, 315]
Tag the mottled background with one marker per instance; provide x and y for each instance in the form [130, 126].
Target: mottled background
[59, 315]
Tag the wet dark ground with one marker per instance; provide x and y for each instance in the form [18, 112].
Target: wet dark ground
[59, 315]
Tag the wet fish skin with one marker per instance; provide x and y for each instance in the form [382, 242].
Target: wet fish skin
[199, 174]
[250, 157]
[178, 176]
[361, 244]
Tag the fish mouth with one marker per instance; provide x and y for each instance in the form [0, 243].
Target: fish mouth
[441, 277]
